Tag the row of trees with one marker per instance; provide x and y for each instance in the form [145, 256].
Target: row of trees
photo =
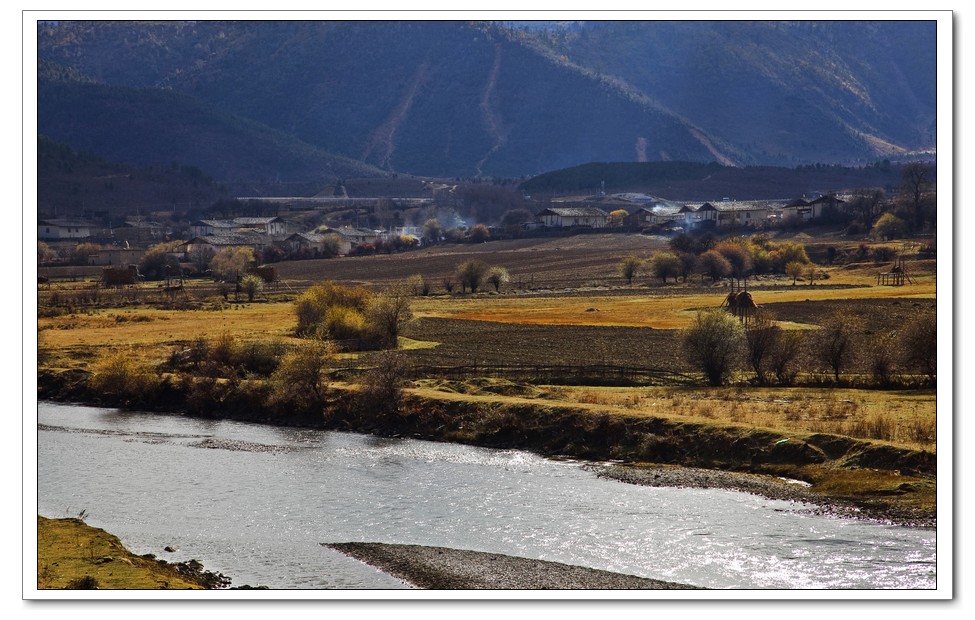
[279, 377]
[737, 257]
[717, 344]
[471, 274]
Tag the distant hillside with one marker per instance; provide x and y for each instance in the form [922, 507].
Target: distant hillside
[784, 92]
[153, 126]
[462, 99]
[696, 181]
[78, 184]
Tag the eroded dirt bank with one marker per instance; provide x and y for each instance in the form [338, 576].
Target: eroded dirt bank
[847, 476]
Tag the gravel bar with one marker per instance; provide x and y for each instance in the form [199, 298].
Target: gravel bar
[440, 568]
[758, 484]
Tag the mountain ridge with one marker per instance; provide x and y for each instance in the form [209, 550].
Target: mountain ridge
[468, 99]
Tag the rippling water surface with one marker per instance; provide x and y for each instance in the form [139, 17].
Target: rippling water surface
[254, 502]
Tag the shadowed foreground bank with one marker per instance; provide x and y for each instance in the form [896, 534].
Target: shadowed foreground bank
[440, 568]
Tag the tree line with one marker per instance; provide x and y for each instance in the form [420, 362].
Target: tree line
[718, 345]
[734, 257]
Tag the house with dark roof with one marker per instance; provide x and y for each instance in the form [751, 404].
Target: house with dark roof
[698, 216]
[729, 214]
[317, 244]
[254, 241]
[56, 229]
[746, 214]
[812, 209]
[357, 236]
[564, 217]
[657, 213]
[273, 226]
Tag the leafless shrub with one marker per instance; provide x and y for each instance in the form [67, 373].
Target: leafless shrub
[882, 352]
[713, 343]
[381, 390]
[919, 345]
[784, 356]
[836, 342]
[761, 337]
[299, 379]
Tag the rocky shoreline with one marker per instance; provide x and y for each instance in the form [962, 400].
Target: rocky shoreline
[441, 568]
[758, 484]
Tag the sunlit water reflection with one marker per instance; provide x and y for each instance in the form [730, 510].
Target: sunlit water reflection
[254, 502]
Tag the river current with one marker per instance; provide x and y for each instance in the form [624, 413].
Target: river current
[254, 502]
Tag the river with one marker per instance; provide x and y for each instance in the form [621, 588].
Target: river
[254, 502]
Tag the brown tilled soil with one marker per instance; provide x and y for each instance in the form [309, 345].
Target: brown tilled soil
[578, 261]
[879, 315]
[483, 342]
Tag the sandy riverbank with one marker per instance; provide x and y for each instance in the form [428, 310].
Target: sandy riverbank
[440, 568]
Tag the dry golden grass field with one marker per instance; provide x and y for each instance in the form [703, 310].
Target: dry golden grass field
[73, 555]
[566, 303]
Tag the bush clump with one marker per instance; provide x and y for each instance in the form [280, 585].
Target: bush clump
[123, 376]
[713, 343]
[352, 316]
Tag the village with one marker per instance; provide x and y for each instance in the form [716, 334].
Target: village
[287, 235]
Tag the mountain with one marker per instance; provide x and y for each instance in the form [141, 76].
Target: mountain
[445, 98]
[700, 181]
[78, 184]
[784, 92]
[154, 126]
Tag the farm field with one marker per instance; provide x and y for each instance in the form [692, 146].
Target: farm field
[565, 347]
[578, 312]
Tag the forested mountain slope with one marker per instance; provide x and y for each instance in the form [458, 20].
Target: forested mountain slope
[447, 98]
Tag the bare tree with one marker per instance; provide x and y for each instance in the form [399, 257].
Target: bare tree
[783, 359]
[201, 255]
[761, 336]
[630, 267]
[883, 357]
[916, 180]
[387, 311]
[665, 265]
[715, 265]
[496, 276]
[230, 263]
[794, 270]
[470, 273]
[381, 390]
[836, 341]
[713, 343]
[919, 345]
[688, 264]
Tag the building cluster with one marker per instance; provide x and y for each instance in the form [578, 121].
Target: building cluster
[210, 235]
[122, 245]
[643, 211]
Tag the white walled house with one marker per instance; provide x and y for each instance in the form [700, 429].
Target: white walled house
[564, 217]
[273, 226]
[62, 228]
[254, 241]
